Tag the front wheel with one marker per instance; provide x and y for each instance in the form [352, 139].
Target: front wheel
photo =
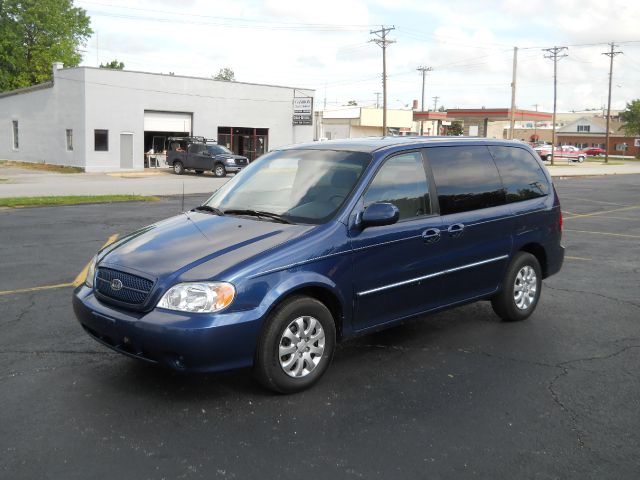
[296, 345]
[219, 170]
[178, 168]
[520, 289]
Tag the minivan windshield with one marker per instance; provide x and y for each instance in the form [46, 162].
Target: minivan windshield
[299, 186]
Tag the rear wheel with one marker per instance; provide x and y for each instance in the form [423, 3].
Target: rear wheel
[580, 159]
[520, 289]
[178, 168]
[296, 345]
[548, 158]
[219, 170]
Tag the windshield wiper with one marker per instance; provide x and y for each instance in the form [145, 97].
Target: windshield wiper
[259, 213]
[210, 209]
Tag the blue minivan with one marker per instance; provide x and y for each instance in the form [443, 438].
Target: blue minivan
[317, 243]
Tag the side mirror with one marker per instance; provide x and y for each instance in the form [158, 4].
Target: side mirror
[378, 214]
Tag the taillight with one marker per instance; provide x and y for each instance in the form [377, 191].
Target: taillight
[560, 222]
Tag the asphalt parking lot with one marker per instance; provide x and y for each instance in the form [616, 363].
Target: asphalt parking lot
[453, 395]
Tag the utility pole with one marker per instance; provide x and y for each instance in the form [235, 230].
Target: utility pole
[554, 54]
[435, 102]
[512, 119]
[424, 71]
[609, 54]
[377, 94]
[382, 42]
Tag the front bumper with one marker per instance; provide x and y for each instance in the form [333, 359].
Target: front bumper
[232, 168]
[178, 340]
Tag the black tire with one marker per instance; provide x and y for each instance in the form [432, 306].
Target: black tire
[504, 302]
[580, 159]
[268, 367]
[178, 168]
[199, 172]
[219, 170]
[548, 158]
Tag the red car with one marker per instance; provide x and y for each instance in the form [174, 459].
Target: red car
[594, 151]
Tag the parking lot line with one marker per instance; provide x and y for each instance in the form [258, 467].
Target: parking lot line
[35, 289]
[593, 214]
[567, 257]
[79, 280]
[603, 233]
[595, 201]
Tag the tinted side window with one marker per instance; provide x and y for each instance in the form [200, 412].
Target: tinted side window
[466, 178]
[521, 174]
[403, 182]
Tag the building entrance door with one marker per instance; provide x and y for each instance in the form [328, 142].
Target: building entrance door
[126, 150]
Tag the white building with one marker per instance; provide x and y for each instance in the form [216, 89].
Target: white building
[356, 122]
[105, 120]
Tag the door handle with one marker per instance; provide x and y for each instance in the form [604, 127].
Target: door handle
[456, 230]
[431, 235]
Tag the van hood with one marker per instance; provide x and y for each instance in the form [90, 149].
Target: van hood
[186, 241]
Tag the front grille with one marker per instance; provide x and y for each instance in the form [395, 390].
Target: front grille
[134, 290]
[241, 161]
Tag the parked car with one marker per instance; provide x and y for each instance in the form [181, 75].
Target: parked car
[195, 153]
[317, 243]
[595, 151]
[568, 152]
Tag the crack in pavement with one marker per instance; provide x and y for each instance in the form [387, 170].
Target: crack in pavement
[22, 314]
[564, 368]
[628, 302]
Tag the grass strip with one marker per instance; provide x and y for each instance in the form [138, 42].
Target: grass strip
[17, 202]
[42, 166]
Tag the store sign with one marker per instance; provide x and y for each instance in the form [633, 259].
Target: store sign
[302, 111]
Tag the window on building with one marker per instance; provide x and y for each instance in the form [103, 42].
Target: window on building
[401, 181]
[101, 140]
[16, 142]
[69, 140]
[621, 147]
[466, 178]
[584, 128]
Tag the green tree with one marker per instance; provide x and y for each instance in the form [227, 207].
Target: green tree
[631, 118]
[455, 129]
[113, 64]
[352, 103]
[225, 74]
[36, 33]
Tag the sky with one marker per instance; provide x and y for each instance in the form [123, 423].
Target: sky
[326, 46]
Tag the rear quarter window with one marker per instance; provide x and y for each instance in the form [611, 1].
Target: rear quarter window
[466, 178]
[521, 174]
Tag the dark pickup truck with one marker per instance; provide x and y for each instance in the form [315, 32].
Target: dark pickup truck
[201, 157]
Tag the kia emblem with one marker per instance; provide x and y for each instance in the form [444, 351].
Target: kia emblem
[116, 284]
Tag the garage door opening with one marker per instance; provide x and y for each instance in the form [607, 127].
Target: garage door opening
[158, 127]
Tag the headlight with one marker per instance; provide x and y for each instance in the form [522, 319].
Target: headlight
[91, 272]
[200, 297]
[230, 161]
